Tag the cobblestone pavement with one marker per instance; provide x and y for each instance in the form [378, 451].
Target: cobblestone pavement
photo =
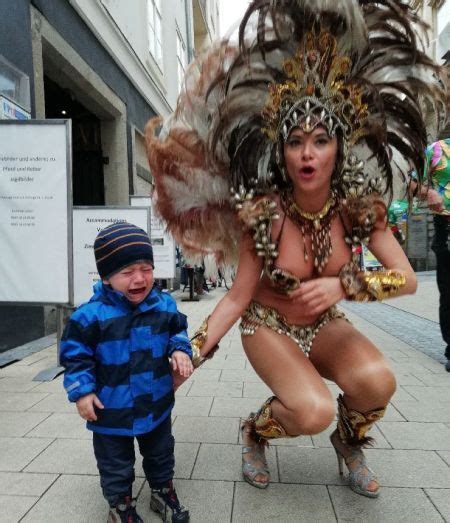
[48, 471]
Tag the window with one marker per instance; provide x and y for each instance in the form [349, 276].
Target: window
[154, 29]
[181, 59]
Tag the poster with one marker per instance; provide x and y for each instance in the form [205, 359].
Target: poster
[35, 211]
[87, 222]
[163, 244]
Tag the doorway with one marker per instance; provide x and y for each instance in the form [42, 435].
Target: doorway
[87, 175]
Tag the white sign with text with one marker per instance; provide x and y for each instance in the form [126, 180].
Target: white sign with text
[35, 213]
[163, 244]
[87, 222]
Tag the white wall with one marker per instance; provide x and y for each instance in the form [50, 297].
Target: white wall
[122, 27]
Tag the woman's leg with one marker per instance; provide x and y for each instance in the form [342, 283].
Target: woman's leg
[303, 403]
[342, 354]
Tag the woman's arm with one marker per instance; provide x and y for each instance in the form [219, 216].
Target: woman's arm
[389, 252]
[234, 303]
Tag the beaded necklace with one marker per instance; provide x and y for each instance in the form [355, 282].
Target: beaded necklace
[317, 225]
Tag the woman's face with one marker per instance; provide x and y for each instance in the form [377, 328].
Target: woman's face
[310, 158]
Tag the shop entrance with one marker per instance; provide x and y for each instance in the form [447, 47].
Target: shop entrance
[87, 177]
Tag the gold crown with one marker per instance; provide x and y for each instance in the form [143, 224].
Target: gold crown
[316, 92]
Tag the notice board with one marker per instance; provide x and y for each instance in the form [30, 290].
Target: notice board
[35, 211]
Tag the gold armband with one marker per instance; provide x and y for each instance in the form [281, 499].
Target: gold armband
[197, 342]
[370, 285]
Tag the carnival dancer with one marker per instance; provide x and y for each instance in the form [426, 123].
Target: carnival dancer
[299, 121]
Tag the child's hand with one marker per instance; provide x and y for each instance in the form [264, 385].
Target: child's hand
[85, 406]
[181, 364]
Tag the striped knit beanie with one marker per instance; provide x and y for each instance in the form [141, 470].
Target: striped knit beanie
[119, 245]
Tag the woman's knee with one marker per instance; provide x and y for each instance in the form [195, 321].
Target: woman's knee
[312, 415]
[374, 381]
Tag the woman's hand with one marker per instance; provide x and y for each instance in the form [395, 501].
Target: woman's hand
[318, 295]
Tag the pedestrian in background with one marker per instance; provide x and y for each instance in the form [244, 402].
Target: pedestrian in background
[437, 194]
[116, 351]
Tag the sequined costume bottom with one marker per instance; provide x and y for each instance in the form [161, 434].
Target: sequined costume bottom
[257, 315]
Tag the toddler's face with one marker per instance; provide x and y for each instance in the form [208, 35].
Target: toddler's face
[134, 281]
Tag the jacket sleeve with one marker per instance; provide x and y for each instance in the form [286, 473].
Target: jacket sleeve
[179, 339]
[77, 357]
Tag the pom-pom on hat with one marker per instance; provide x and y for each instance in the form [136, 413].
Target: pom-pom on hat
[119, 245]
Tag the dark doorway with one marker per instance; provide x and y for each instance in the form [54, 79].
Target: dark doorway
[88, 184]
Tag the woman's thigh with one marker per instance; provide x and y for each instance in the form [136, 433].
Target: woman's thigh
[284, 368]
[342, 354]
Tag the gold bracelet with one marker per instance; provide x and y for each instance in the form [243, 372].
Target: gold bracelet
[370, 285]
[197, 342]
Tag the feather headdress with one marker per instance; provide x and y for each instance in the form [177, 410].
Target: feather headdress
[356, 67]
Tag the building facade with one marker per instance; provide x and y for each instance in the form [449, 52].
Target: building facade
[109, 66]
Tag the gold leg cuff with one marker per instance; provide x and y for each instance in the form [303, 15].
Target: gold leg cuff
[353, 425]
[264, 425]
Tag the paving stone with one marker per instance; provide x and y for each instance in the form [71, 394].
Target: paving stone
[425, 436]
[393, 506]
[441, 500]
[323, 439]
[221, 389]
[17, 424]
[234, 407]
[284, 503]
[240, 375]
[189, 406]
[20, 483]
[409, 468]
[16, 453]
[66, 456]
[185, 456]
[429, 393]
[54, 386]
[19, 401]
[230, 362]
[225, 461]
[305, 465]
[193, 429]
[13, 508]
[54, 403]
[15, 384]
[206, 375]
[207, 501]
[445, 456]
[436, 380]
[402, 394]
[60, 425]
[424, 411]
[393, 414]
[74, 499]
[256, 390]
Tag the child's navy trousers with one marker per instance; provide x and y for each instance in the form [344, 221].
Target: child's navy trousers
[115, 460]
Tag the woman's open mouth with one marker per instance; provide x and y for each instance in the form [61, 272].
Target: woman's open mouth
[307, 172]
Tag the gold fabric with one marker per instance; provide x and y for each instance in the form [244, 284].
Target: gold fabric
[265, 425]
[353, 426]
[257, 315]
[197, 342]
[370, 285]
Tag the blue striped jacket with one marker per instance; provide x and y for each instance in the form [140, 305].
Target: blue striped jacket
[121, 353]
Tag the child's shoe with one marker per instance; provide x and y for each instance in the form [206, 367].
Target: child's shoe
[164, 501]
[124, 512]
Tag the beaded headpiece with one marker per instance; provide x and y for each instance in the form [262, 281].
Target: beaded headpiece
[317, 92]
